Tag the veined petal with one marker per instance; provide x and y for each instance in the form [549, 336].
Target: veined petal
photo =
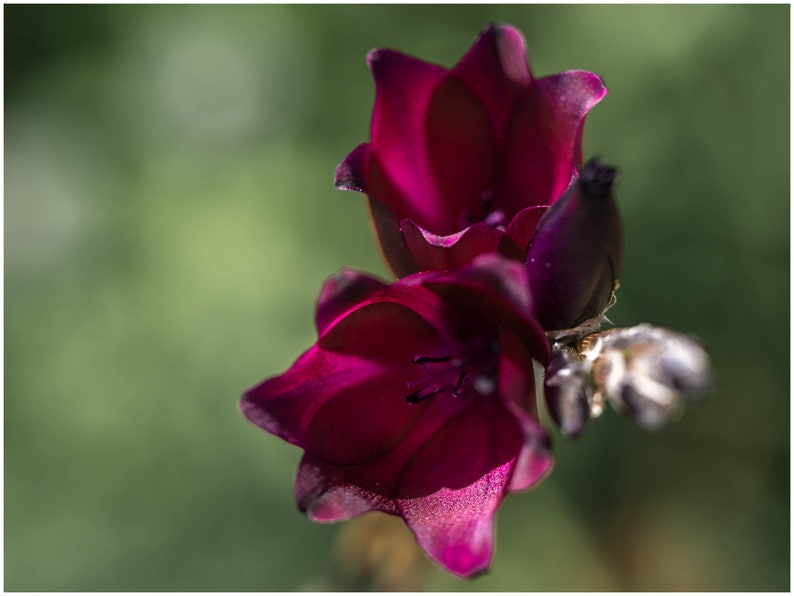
[462, 450]
[344, 399]
[544, 145]
[473, 463]
[462, 154]
[404, 87]
[340, 408]
[573, 94]
[496, 70]
[341, 293]
[455, 526]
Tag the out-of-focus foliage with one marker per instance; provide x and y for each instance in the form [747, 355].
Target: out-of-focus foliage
[170, 216]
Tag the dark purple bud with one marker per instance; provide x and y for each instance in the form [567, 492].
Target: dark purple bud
[568, 388]
[575, 256]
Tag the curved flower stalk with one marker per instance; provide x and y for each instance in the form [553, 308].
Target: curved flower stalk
[416, 400]
[465, 161]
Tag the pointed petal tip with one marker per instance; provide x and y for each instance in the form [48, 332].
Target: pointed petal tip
[375, 54]
[495, 67]
[351, 173]
[341, 293]
[591, 82]
[536, 460]
[247, 403]
[466, 570]
[253, 405]
[244, 404]
[464, 548]
[324, 500]
[500, 30]
[379, 59]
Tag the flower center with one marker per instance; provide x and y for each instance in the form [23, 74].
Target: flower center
[473, 368]
[490, 214]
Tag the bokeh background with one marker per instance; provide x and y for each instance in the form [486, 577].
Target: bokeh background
[170, 217]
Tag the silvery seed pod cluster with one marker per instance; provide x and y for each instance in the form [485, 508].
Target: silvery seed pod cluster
[645, 372]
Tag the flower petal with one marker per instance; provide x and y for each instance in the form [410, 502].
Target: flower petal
[390, 239]
[462, 450]
[341, 408]
[579, 91]
[443, 253]
[473, 463]
[536, 460]
[455, 527]
[497, 286]
[517, 388]
[341, 293]
[522, 227]
[403, 90]
[516, 373]
[544, 145]
[352, 173]
[496, 70]
[533, 466]
[462, 154]
[325, 495]
[395, 326]
[344, 399]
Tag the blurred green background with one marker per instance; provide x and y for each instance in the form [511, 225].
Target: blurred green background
[170, 216]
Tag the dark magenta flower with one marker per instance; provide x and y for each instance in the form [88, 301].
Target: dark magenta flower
[416, 400]
[464, 161]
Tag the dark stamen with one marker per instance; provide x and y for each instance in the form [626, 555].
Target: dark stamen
[459, 383]
[424, 359]
[420, 396]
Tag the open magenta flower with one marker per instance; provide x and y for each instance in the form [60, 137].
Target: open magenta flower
[416, 400]
[464, 161]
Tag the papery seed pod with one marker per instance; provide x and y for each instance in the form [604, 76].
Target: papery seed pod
[648, 372]
[568, 388]
[576, 254]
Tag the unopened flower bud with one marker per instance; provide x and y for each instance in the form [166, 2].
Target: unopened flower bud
[575, 256]
[568, 388]
[647, 372]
